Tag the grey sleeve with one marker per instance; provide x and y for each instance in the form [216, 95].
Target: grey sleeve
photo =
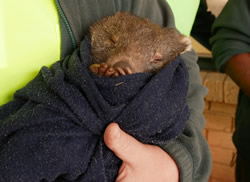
[190, 150]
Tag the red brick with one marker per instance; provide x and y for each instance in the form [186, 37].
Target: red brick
[220, 139]
[203, 75]
[221, 155]
[229, 109]
[222, 172]
[212, 179]
[215, 84]
[205, 133]
[218, 121]
[207, 105]
[233, 124]
[231, 91]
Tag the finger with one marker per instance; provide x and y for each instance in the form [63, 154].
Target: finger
[126, 147]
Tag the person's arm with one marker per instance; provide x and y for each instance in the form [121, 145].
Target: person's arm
[238, 68]
[190, 150]
[186, 158]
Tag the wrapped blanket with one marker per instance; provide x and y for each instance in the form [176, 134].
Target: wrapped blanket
[53, 129]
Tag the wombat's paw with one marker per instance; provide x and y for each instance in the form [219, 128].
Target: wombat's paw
[102, 69]
[94, 68]
[122, 71]
[106, 70]
[187, 41]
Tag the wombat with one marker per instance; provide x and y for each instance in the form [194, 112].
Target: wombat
[124, 44]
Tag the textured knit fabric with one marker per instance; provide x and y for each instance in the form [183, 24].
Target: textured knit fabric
[231, 37]
[53, 130]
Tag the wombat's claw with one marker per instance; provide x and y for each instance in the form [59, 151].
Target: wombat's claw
[94, 68]
[102, 69]
[106, 70]
[128, 70]
[109, 72]
[121, 71]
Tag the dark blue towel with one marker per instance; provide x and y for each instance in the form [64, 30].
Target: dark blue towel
[53, 129]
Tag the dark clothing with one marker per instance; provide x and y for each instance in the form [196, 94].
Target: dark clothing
[57, 121]
[201, 29]
[189, 150]
[242, 173]
[241, 137]
[231, 37]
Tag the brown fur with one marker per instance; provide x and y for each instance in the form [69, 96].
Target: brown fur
[126, 40]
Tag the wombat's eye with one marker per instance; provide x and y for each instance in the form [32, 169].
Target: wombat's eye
[157, 57]
[115, 38]
[109, 43]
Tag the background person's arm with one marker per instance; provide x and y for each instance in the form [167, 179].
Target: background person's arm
[238, 68]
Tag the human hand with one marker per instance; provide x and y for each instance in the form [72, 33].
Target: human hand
[141, 162]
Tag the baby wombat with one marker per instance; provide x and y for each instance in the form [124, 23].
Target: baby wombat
[124, 44]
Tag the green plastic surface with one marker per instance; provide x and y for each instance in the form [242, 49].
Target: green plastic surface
[30, 38]
[184, 13]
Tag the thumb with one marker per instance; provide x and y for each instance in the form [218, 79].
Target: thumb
[126, 147]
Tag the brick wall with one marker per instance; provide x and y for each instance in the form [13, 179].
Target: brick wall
[220, 115]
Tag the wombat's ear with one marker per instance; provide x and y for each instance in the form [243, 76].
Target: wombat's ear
[187, 42]
[157, 56]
